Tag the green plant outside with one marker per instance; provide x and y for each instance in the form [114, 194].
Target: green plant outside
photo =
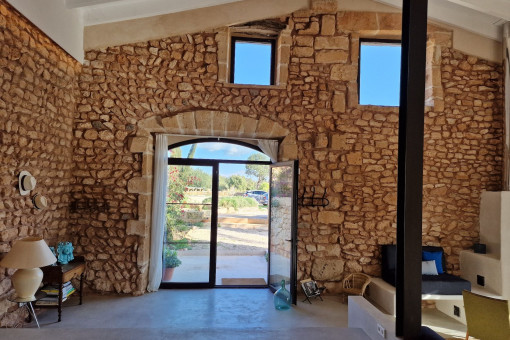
[176, 227]
[235, 202]
[170, 259]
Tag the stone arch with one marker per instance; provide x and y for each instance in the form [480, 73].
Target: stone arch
[199, 123]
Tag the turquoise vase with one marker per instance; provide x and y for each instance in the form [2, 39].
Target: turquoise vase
[281, 298]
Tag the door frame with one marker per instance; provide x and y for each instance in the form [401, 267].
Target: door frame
[293, 254]
[215, 164]
[214, 223]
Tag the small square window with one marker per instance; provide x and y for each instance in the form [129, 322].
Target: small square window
[379, 73]
[252, 61]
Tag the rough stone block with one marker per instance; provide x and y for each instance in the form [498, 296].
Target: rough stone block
[331, 57]
[143, 255]
[137, 227]
[332, 43]
[265, 127]
[170, 123]
[151, 124]
[344, 72]
[355, 158]
[339, 142]
[139, 185]
[357, 21]
[301, 52]
[390, 198]
[186, 122]
[338, 102]
[248, 128]
[324, 6]
[304, 41]
[234, 123]
[328, 269]
[147, 164]
[331, 217]
[321, 141]
[390, 21]
[144, 205]
[312, 29]
[203, 121]
[288, 152]
[219, 122]
[138, 144]
[328, 25]
[8, 235]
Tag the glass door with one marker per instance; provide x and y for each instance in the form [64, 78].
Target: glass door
[241, 259]
[283, 226]
[189, 249]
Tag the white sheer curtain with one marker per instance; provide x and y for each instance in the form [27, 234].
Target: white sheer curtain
[158, 212]
[270, 148]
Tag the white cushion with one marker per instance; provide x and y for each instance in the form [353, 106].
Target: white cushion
[428, 268]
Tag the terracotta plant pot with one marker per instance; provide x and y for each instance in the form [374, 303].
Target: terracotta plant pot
[168, 273]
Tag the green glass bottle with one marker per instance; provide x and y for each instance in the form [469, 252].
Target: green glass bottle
[281, 298]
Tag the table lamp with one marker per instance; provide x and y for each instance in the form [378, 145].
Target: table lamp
[27, 255]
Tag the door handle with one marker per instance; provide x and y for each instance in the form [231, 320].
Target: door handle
[288, 240]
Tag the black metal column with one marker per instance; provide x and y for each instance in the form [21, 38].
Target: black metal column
[410, 168]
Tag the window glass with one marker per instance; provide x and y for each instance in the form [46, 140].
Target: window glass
[252, 62]
[217, 150]
[379, 79]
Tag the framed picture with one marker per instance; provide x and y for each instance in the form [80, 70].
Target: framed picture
[311, 289]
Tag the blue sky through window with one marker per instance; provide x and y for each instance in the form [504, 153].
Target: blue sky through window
[212, 150]
[252, 64]
[379, 74]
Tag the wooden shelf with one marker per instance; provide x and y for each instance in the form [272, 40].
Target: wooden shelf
[59, 274]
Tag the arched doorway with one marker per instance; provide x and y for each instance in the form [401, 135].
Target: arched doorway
[217, 215]
[219, 124]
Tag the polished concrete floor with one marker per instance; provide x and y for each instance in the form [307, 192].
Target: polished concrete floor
[443, 324]
[204, 314]
[193, 314]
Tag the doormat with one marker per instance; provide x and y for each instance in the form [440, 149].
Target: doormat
[244, 282]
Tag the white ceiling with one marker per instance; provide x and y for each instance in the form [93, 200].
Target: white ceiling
[484, 17]
[497, 8]
[105, 11]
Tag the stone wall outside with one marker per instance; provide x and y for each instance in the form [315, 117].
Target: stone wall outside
[38, 86]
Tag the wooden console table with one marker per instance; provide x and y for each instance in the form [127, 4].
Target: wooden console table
[61, 273]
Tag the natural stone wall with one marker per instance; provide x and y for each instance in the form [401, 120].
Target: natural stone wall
[94, 160]
[348, 149]
[37, 102]
[463, 152]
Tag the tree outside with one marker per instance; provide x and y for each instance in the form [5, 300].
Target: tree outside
[259, 171]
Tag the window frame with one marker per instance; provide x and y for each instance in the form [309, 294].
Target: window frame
[218, 140]
[272, 41]
[378, 41]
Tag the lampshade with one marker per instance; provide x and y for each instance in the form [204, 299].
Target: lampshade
[30, 252]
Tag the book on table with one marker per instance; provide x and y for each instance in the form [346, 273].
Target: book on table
[54, 289]
[51, 298]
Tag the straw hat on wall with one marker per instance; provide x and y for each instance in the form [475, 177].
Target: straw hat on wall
[26, 183]
[40, 201]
